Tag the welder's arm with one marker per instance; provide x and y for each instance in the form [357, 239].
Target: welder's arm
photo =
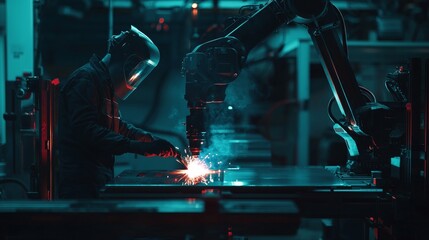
[145, 143]
[158, 147]
[130, 131]
[82, 113]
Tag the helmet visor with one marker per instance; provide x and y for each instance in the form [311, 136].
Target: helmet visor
[135, 71]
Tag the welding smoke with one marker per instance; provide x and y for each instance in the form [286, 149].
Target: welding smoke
[224, 119]
[179, 126]
[237, 92]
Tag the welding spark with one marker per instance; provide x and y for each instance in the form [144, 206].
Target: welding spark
[196, 170]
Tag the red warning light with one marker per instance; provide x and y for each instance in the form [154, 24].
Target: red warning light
[55, 81]
[194, 13]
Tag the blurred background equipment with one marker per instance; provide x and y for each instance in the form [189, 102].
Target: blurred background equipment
[314, 126]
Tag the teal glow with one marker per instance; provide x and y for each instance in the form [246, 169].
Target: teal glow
[395, 161]
[350, 142]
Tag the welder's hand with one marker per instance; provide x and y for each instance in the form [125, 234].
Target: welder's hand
[158, 147]
[163, 148]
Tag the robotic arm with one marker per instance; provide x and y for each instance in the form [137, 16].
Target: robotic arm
[211, 66]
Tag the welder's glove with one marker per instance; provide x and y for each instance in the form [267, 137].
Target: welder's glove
[158, 147]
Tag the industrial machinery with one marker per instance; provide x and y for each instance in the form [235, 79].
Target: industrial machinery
[384, 185]
[385, 180]
[30, 112]
[211, 66]
[384, 140]
[33, 164]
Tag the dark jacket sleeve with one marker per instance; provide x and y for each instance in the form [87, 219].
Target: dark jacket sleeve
[134, 133]
[82, 108]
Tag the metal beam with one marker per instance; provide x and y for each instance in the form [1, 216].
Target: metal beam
[19, 38]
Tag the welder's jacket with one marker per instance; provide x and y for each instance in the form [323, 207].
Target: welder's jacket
[90, 131]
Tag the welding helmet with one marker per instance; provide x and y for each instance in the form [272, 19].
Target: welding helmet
[133, 57]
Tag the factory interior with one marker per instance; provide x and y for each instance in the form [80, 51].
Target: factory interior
[261, 119]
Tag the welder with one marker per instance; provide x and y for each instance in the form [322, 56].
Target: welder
[91, 131]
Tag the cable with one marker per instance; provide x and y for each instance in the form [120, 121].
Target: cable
[331, 101]
[374, 99]
[331, 116]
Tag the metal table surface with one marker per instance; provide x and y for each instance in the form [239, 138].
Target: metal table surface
[318, 192]
[314, 177]
[255, 201]
[239, 180]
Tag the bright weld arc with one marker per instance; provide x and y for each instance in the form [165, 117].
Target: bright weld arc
[196, 170]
